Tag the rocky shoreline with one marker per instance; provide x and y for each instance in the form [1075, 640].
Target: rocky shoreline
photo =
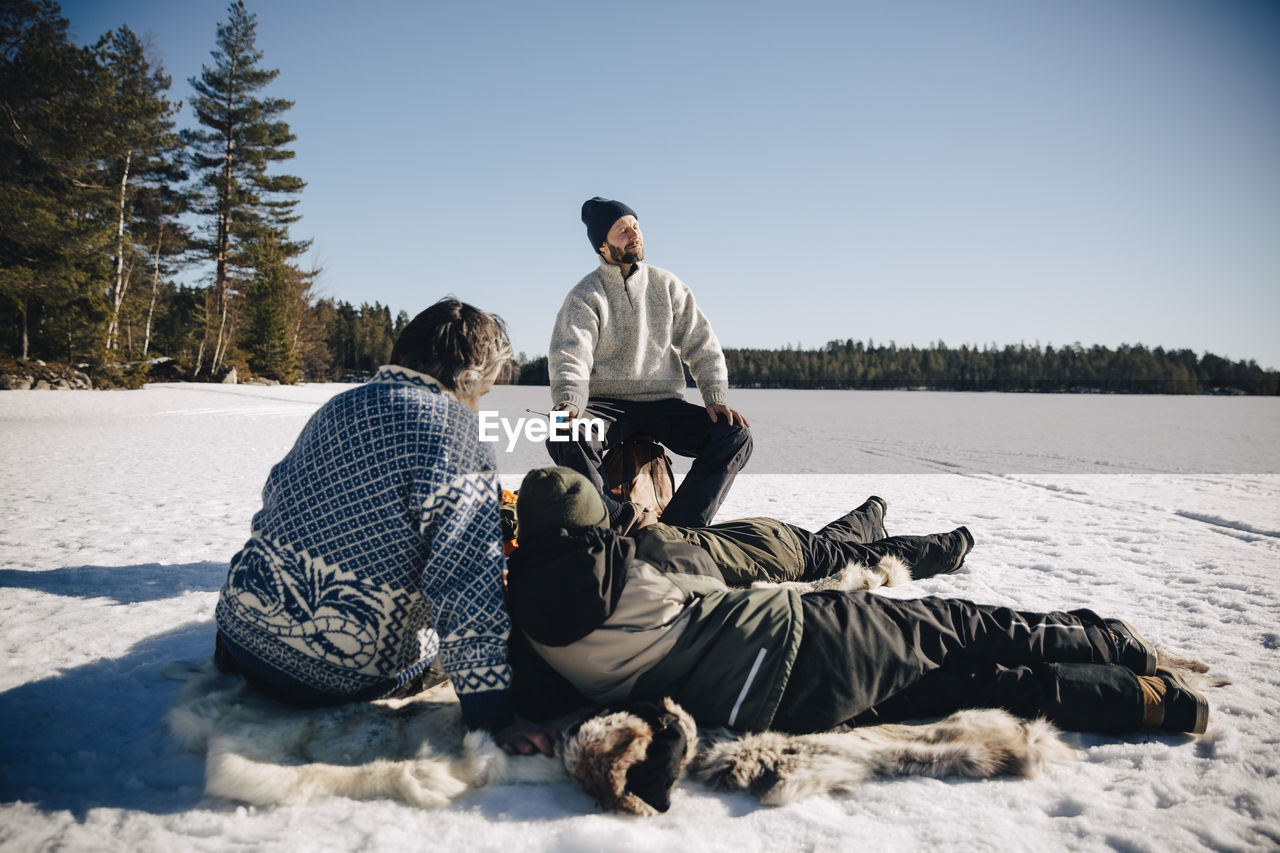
[37, 375]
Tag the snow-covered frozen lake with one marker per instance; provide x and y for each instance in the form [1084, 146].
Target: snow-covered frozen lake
[119, 511]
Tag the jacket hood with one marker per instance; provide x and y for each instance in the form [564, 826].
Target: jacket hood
[562, 584]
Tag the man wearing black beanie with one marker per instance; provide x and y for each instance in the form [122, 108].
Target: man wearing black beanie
[619, 349]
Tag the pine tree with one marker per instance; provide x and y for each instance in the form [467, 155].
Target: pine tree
[54, 210]
[267, 339]
[244, 137]
[316, 359]
[141, 158]
[374, 337]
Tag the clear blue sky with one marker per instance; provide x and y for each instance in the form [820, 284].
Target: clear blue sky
[1101, 171]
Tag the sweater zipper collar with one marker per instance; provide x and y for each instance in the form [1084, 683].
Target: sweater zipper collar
[616, 271]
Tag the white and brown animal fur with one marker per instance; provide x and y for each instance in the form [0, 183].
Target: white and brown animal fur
[888, 571]
[417, 750]
[1194, 672]
[414, 750]
[606, 747]
[781, 768]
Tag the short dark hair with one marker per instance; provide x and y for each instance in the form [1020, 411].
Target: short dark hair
[456, 343]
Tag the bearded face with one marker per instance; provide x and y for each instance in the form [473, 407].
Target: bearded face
[626, 255]
[625, 243]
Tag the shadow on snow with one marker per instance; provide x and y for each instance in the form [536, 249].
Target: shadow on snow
[93, 737]
[125, 584]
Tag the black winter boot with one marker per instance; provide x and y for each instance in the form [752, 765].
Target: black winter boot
[879, 532]
[1136, 654]
[1171, 705]
[962, 547]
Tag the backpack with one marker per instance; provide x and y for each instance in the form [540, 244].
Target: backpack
[639, 471]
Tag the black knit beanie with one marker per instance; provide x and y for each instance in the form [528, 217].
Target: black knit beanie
[551, 498]
[599, 214]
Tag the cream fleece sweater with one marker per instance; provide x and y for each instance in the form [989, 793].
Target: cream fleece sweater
[628, 339]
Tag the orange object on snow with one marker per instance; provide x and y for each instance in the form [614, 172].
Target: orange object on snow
[508, 522]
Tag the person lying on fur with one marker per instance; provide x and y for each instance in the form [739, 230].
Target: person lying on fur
[599, 618]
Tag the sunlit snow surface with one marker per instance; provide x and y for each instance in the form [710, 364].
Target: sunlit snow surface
[121, 509]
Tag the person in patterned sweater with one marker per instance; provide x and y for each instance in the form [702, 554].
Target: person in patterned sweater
[376, 560]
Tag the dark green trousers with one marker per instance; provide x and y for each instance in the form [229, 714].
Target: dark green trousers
[866, 658]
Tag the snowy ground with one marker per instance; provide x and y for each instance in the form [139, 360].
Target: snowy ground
[119, 510]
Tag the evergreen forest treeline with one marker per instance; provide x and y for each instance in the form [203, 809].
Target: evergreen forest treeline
[859, 365]
[108, 211]
[1125, 369]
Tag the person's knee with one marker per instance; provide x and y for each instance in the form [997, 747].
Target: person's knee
[557, 451]
[739, 438]
[574, 454]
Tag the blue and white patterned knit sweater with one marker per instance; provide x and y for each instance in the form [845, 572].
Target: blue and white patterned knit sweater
[377, 546]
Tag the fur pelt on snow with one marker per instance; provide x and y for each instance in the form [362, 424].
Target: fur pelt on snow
[261, 752]
[1194, 671]
[417, 750]
[888, 571]
[781, 768]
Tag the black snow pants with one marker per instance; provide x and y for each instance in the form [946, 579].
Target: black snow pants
[719, 451]
[866, 658]
[860, 537]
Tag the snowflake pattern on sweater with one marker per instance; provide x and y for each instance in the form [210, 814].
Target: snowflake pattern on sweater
[378, 546]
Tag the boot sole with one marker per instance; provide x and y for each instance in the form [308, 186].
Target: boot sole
[1202, 704]
[1148, 650]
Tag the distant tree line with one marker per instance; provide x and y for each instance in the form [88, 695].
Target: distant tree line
[854, 364]
[1126, 369]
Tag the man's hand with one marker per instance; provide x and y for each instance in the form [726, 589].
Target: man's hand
[571, 414]
[566, 407]
[719, 410]
[525, 738]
